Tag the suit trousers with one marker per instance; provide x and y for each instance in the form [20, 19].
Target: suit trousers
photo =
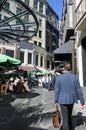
[66, 111]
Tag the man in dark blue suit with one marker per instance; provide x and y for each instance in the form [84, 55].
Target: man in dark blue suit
[67, 92]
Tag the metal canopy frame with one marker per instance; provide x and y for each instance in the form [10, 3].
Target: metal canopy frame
[18, 26]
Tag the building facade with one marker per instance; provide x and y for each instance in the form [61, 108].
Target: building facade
[37, 51]
[67, 20]
[52, 35]
[80, 33]
[64, 55]
[14, 48]
[73, 28]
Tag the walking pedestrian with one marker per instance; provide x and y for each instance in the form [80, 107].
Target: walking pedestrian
[67, 87]
[46, 82]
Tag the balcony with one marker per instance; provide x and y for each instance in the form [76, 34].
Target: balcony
[80, 13]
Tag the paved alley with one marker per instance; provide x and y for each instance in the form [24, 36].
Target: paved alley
[33, 111]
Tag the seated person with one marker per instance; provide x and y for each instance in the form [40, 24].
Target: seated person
[26, 85]
[18, 86]
[10, 85]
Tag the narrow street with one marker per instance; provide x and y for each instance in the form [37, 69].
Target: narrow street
[31, 111]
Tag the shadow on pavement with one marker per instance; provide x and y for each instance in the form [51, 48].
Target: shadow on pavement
[79, 120]
[17, 114]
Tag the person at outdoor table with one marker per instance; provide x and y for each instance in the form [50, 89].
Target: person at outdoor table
[11, 85]
[26, 85]
[17, 85]
[67, 88]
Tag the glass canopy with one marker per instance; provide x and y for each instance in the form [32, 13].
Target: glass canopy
[17, 21]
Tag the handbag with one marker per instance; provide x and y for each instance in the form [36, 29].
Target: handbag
[56, 118]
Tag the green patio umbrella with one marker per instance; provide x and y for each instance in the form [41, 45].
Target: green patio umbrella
[45, 72]
[8, 61]
[39, 73]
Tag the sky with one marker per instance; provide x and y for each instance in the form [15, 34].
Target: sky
[57, 6]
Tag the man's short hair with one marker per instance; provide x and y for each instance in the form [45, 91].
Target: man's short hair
[67, 67]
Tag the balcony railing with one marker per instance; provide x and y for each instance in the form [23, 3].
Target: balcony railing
[80, 10]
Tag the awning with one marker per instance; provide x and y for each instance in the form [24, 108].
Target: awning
[40, 69]
[6, 60]
[26, 68]
[64, 49]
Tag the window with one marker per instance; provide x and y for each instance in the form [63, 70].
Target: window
[41, 7]
[35, 4]
[70, 17]
[47, 12]
[22, 56]
[29, 58]
[37, 59]
[41, 61]
[40, 33]
[10, 53]
[48, 64]
[35, 42]
[40, 22]
[40, 44]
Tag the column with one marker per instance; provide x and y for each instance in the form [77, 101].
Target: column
[3, 50]
[33, 57]
[16, 51]
[26, 57]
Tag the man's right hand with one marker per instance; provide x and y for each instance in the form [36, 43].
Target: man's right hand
[83, 106]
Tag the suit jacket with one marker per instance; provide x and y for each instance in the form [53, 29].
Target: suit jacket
[67, 89]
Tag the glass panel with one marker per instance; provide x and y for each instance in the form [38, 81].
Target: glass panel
[21, 22]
